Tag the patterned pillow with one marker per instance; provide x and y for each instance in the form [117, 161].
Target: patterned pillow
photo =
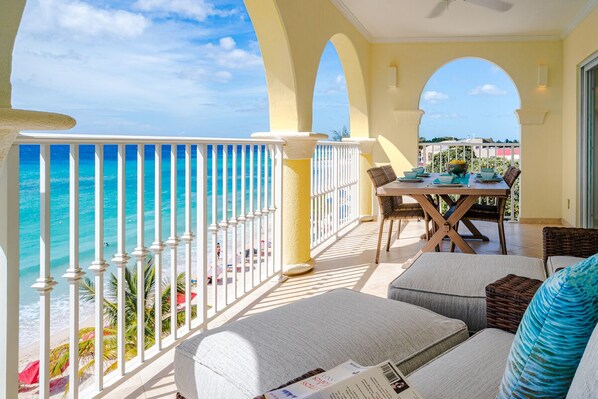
[553, 334]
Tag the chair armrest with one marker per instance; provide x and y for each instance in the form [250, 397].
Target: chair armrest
[566, 241]
[507, 300]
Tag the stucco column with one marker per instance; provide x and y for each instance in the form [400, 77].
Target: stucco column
[366, 148]
[296, 191]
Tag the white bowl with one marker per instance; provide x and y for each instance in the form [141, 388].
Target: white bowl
[445, 179]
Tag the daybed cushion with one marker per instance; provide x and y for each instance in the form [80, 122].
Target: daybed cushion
[454, 285]
[585, 382]
[472, 370]
[248, 357]
[553, 334]
[560, 262]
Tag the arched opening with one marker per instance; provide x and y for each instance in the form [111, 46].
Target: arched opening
[331, 100]
[469, 109]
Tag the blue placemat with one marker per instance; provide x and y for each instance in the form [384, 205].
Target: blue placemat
[457, 180]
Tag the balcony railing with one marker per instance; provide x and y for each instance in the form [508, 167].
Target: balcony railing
[194, 225]
[499, 156]
[334, 190]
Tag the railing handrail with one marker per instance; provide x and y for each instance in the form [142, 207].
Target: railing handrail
[337, 143]
[61, 138]
[459, 143]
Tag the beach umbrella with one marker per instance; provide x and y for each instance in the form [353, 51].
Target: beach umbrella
[30, 374]
[180, 298]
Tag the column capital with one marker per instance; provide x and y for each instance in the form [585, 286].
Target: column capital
[408, 117]
[529, 116]
[366, 145]
[297, 145]
[12, 121]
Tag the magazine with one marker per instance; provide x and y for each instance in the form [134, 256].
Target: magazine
[351, 381]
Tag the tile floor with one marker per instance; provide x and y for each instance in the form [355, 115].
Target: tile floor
[346, 263]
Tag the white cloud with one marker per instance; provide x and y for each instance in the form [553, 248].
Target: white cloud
[198, 10]
[433, 97]
[340, 79]
[223, 76]
[487, 89]
[227, 55]
[227, 43]
[82, 18]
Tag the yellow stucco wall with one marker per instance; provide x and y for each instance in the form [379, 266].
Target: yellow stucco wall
[394, 112]
[579, 45]
[10, 17]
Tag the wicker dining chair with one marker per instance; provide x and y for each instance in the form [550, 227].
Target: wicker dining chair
[494, 213]
[392, 207]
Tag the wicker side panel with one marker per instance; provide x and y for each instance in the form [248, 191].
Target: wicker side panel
[507, 299]
[564, 241]
[379, 178]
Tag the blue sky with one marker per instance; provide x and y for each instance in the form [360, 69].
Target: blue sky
[470, 97]
[183, 67]
[193, 67]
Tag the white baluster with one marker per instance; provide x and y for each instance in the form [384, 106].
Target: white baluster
[213, 229]
[277, 241]
[74, 272]
[121, 258]
[233, 223]
[158, 246]
[173, 241]
[272, 209]
[188, 236]
[9, 275]
[140, 253]
[251, 216]
[98, 267]
[224, 224]
[242, 217]
[258, 212]
[202, 232]
[265, 212]
[45, 283]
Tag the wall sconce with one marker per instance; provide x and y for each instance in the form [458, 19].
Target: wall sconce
[393, 78]
[542, 76]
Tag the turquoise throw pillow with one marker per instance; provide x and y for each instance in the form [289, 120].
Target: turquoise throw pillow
[553, 334]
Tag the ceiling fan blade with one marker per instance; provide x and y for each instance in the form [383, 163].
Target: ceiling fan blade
[496, 5]
[440, 9]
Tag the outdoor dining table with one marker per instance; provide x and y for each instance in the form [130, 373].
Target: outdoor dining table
[467, 195]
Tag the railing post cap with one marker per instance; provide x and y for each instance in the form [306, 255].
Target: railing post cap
[297, 145]
[366, 144]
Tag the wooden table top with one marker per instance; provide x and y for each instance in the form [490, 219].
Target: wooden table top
[499, 189]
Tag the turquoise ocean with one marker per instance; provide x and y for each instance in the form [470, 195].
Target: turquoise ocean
[59, 214]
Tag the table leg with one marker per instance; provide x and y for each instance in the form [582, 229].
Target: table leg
[475, 233]
[447, 226]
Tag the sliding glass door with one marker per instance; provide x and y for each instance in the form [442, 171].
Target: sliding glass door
[589, 144]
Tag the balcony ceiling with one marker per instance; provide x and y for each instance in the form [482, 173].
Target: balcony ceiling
[405, 20]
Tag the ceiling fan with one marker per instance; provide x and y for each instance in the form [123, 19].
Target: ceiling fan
[496, 5]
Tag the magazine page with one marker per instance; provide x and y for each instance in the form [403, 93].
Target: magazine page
[351, 381]
[304, 388]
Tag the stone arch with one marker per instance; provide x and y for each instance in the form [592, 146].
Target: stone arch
[356, 87]
[278, 65]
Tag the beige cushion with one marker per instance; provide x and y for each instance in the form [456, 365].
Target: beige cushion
[248, 357]
[454, 285]
[585, 383]
[472, 370]
[560, 262]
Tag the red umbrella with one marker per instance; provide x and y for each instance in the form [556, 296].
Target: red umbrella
[30, 374]
[180, 298]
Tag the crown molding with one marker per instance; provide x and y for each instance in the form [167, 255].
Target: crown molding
[581, 15]
[456, 39]
[342, 7]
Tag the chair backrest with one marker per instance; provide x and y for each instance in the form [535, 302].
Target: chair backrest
[392, 176]
[585, 382]
[379, 178]
[510, 177]
[390, 172]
